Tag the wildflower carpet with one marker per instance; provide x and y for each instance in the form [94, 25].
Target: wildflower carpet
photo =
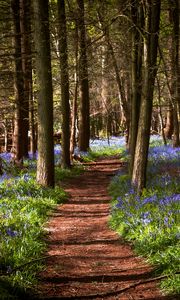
[86, 259]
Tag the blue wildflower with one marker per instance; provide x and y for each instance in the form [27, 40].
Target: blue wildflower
[150, 199]
[11, 233]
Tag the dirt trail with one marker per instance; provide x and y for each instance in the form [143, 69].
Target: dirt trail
[90, 261]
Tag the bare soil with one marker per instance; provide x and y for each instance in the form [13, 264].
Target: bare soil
[88, 260]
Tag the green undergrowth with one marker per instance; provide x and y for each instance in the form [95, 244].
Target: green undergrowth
[94, 154]
[63, 174]
[151, 221]
[24, 209]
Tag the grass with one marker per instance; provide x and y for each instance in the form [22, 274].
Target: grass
[24, 209]
[103, 147]
[151, 222]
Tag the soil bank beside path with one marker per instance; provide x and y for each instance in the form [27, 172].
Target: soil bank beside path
[89, 260]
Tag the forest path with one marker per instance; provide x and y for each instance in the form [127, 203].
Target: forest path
[89, 260]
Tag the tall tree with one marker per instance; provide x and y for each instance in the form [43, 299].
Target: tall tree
[18, 148]
[25, 24]
[136, 70]
[175, 91]
[45, 163]
[152, 19]
[74, 104]
[64, 85]
[84, 124]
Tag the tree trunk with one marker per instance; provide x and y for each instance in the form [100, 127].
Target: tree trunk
[64, 85]
[84, 123]
[74, 105]
[174, 18]
[160, 113]
[25, 24]
[168, 131]
[17, 149]
[32, 126]
[45, 163]
[136, 76]
[152, 17]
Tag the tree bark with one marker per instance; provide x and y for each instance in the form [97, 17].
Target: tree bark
[84, 123]
[25, 24]
[136, 74]
[45, 163]
[74, 105]
[174, 18]
[152, 17]
[17, 149]
[65, 162]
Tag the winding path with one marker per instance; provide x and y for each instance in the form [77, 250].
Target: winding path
[89, 260]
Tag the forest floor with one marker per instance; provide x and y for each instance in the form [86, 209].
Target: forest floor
[85, 258]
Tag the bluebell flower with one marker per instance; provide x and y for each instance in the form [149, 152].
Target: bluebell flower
[145, 218]
[26, 177]
[178, 236]
[9, 269]
[11, 232]
[150, 199]
[166, 221]
[120, 203]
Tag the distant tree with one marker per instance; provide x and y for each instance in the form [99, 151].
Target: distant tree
[64, 85]
[84, 123]
[45, 163]
[111, 53]
[152, 19]
[75, 97]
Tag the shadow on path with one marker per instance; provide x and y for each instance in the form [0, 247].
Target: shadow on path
[87, 260]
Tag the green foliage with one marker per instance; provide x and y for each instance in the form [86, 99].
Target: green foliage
[62, 174]
[151, 221]
[24, 207]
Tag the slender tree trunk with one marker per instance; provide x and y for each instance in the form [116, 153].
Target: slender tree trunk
[74, 105]
[136, 76]
[124, 102]
[18, 142]
[84, 123]
[45, 163]
[64, 85]
[105, 90]
[26, 66]
[152, 17]
[174, 18]
[5, 135]
[160, 113]
[32, 125]
[169, 122]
